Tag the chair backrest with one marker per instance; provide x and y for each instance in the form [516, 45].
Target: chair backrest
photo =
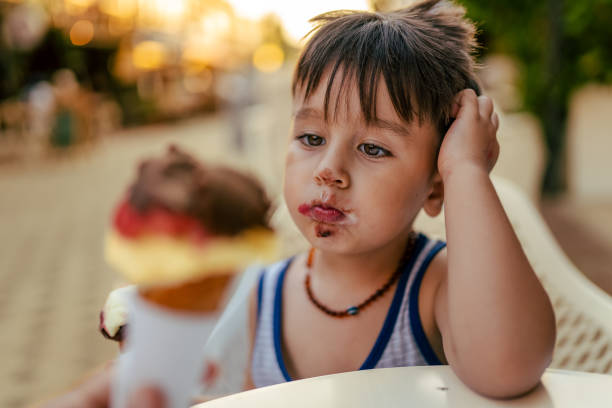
[522, 155]
[583, 311]
[589, 142]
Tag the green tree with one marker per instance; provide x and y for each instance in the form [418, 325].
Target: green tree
[561, 45]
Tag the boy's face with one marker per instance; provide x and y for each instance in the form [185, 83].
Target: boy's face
[352, 188]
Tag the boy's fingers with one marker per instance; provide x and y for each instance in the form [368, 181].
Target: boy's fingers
[467, 102]
[495, 120]
[493, 155]
[93, 392]
[485, 107]
[455, 109]
[147, 397]
[98, 390]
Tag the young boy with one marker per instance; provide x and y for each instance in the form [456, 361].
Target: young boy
[386, 121]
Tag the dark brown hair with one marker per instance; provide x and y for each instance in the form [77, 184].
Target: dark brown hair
[422, 52]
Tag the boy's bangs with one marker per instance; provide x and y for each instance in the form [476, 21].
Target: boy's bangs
[359, 61]
[422, 53]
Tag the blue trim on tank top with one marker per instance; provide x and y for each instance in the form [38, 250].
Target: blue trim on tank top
[260, 293]
[385, 332]
[393, 313]
[278, 310]
[415, 318]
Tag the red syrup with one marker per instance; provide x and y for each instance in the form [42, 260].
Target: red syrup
[131, 223]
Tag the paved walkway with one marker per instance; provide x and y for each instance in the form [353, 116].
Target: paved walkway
[54, 279]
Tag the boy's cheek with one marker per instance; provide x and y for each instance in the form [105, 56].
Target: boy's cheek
[290, 157]
[295, 152]
[299, 166]
[290, 187]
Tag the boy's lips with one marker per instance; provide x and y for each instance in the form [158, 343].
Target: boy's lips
[322, 213]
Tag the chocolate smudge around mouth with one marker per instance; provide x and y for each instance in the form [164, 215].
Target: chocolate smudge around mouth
[322, 231]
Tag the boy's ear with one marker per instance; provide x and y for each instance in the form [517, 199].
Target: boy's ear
[435, 199]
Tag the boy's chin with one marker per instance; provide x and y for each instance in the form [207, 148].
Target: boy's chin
[324, 231]
[327, 237]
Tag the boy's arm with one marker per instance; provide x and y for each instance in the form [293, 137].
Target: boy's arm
[495, 318]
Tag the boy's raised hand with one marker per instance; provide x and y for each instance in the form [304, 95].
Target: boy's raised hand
[471, 138]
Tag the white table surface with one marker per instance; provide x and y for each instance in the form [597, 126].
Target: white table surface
[422, 387]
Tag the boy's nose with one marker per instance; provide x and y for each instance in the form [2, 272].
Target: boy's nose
[332, 178]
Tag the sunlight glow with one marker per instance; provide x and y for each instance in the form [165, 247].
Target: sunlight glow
[80, 3]
[172, 9]
[216, 23]
[294, 15]
[122, 9]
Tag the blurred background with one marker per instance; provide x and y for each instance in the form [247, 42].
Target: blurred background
[87, 87]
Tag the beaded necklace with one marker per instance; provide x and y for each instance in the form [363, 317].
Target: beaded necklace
[354, 310]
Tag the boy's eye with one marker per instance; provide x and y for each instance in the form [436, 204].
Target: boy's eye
[373, 150]
[311, 140]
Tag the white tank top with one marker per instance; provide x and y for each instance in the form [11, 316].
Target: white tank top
[400, 343]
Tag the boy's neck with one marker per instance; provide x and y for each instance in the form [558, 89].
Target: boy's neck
[366, 268]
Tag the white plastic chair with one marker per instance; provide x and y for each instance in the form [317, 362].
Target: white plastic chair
[583, 311]
[588, 142]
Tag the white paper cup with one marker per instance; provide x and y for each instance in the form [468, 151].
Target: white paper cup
[164, 348]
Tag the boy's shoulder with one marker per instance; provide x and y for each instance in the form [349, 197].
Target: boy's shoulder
[437, 266]
[439, 263]
[273, 269]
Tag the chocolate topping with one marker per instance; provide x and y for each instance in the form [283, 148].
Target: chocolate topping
[224, 200]
[119, 336]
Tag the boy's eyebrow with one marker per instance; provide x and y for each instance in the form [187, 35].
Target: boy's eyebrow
[396, 128]
[304, 113]
[392, 126]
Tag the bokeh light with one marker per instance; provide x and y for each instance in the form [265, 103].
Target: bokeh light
[82, 32]
[149, 55]
[268, 57]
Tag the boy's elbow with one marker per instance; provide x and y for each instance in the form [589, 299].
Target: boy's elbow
[508, 374]
[508, 383]
[507, 378]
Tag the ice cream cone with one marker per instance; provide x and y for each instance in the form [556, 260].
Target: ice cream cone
[201, 295]
[181, 234]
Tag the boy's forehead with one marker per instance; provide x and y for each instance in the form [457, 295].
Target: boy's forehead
[345, 104]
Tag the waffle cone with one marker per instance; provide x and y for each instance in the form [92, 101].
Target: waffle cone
[203, 295]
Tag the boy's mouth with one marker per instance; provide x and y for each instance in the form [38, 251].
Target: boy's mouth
[322, 213]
